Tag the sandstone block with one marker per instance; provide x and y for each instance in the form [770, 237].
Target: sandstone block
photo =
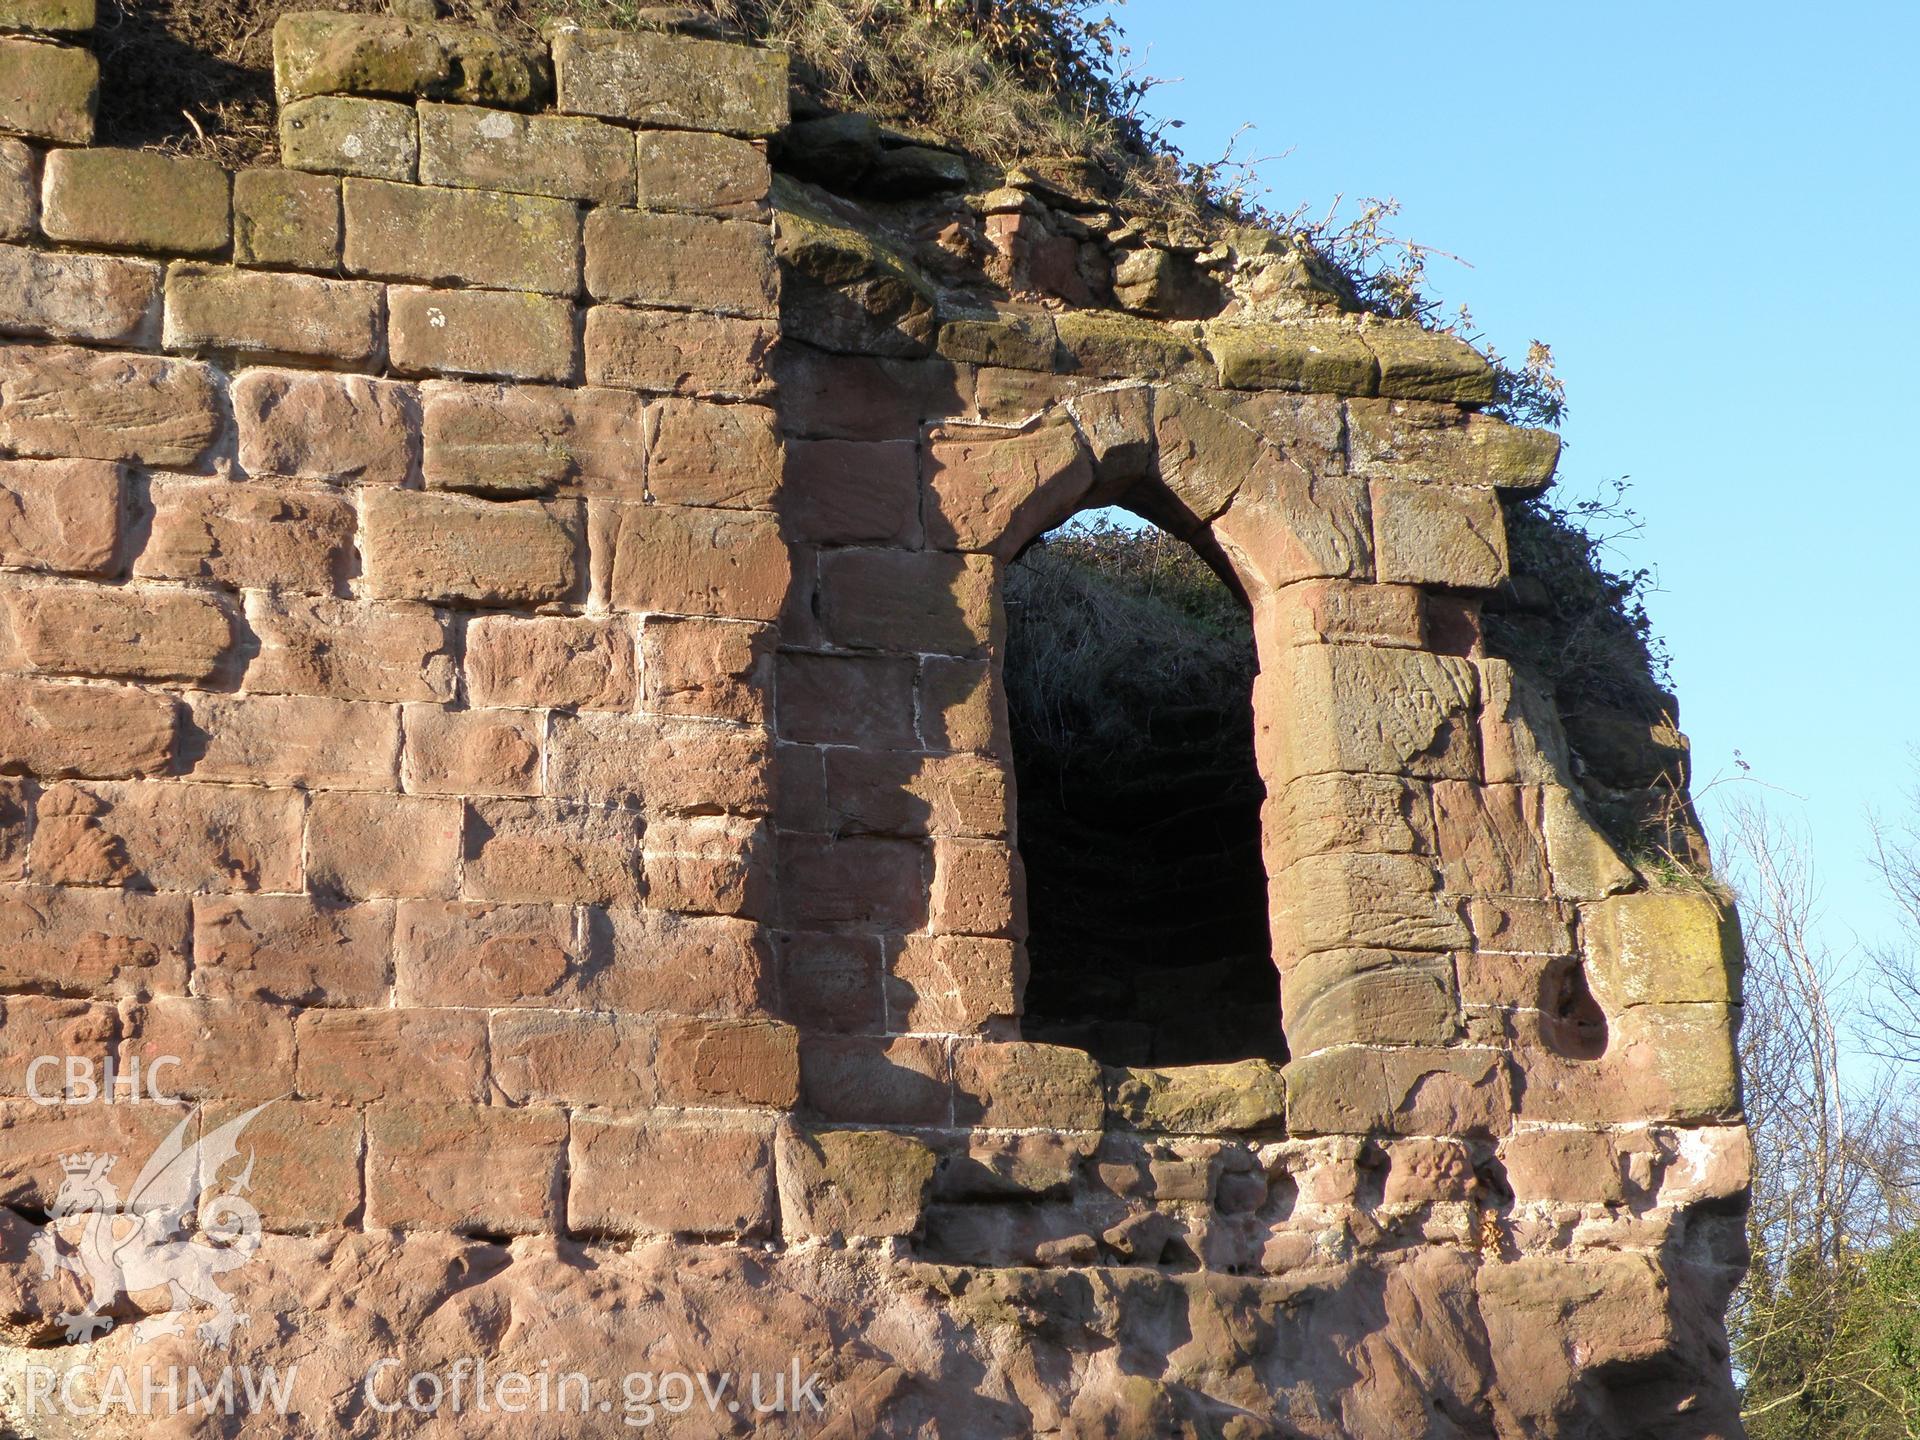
[728, 1063]
[321, 53]
[282, 218]
[1419, 364]
[440, 547]
[98, 732]
[991, 491]
[298, 740]
[512, 440]
[290, 950]
[33, 1138]
[470, 752]
[1415, 1091]
[1125, 347]
[1020, 1085]
[310, 425]
[1369, 997]
[1325, 356]
[1440, 443]
[1245, 1096]
[672, 82]
[226, 1049]
[900, 1081]
[685, 560]
[1358, 708]
[16, 821]
[1489, 839]
[874, 881]
[455, 953]
[35, 1025]
[135, 200]
[1318, 612]
[77, 297]
[655, 961]
[168, 835]
[56, 400]
[719, 455]
[306, 1164]
[862, 700]
[630, 1178]
[831, 983]
[118, 634]
[19, 189]
[407, 1055]
[961, 708]
[716, 668]
[955, 984]
[256, 537]
[219, 307]
[852, 1182]
[546, 1057]
[1322, 814]
[688, 170]
[893, 793]
[61, 515]
[978, 889]
[48, 91]
[1662, 947]
[507, 333]
[906, 601]
[557, 155]
[340, 136]
[349, 650]
[666, 766]
[467, 1168]
[689, 262]
[72, 15]
[383, 846]
[585, 664]
[1439, 534]
[110, 943]
[671, 353]
[461, 237]
[1584, 862]
[710, 865]
[532, 850]
[1392, 902]
[864, 397]
[849, 492]
[1568, 1166]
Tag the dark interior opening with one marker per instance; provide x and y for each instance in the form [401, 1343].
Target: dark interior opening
[1129, 673]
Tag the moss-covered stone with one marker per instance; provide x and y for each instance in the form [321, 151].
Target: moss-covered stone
[1015, 339]
[1121, 347]
[1326, 357]
[49, 92]
[327, 54]
[1232, 1099]
[135, 200]
[1662, 946]
[672, 80]
[1418, 364]
[282, 217]
[46, 14]
[343, 135]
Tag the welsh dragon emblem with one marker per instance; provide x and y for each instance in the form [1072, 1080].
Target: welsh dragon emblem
[142, 1243]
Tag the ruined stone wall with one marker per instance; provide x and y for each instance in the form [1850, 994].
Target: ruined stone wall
[499, 623]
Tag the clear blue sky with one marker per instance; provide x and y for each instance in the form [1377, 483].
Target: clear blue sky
[1710, 212]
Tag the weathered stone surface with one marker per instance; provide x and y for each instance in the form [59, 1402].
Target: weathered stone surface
[321, 53]
[1584, 862]
[897, 600]
[702, 454]
[557, 155]
[297, 740]
[1369, 997]
[1326, 356]
[461, 237]
[956, 984]
[48, 91]
[852, 1182]
[629, 1177]
[282, 218]
[453, 752]
[92, 942]
[315, 646]
[1022, 1085]
[77, 297]
[586, 664]
[168, 835]
[307, 425]
[529, 440]
[1244, 1097]
[510, 334]
[135, 200]
[1411, 1091]
[674, 82]
[445, 548]
[264, 312]
[383, 1054]
[1662, 947]
[1330, 902]
[255, 537]
[683, 560]
[127, 634]
[291, 950]
[1357, 708]
[376, 846]
[994, 491]
[716, 668]
[1439, 535]
[48, 14]
[639, 257]
[715, 174]
[1122, 347]
[61, 515]
[98, 732]
[850, 492]
[340, 136]
[1416, 440]
[676, 354]
[1421, 364]
[1316, 612]
[531, 850]
[481, 1169]
[19, 189]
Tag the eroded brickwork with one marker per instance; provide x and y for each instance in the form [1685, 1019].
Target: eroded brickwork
[499, 624]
